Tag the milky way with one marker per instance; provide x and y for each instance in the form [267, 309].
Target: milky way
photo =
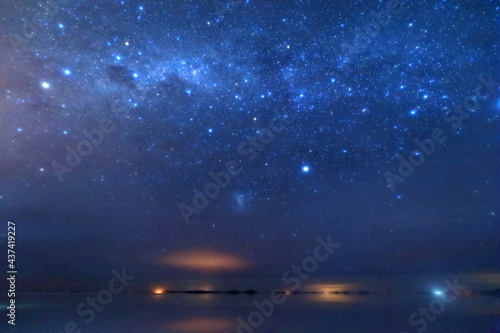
[179, 89]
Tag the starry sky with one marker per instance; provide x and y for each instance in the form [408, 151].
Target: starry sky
[174, 92]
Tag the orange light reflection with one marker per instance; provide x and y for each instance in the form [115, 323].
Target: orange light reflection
[201, 325]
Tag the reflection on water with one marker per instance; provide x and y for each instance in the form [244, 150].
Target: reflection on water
[328, 309]
[201, 325]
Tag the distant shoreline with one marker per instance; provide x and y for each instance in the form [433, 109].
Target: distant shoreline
[251, 292]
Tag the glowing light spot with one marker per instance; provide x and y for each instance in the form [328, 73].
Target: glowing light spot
[413, 112]
[45, 85]
[332, 292]
[210, 130]
[159, 291]
[61, 26]
[306, 169]
[67, 72]
[438, 293]
[19, 129]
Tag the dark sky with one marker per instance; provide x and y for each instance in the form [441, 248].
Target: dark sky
[309, 103]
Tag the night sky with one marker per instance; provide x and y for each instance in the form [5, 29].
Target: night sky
[300, 109]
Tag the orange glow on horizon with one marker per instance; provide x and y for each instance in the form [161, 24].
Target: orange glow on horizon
[327, 292]
[207, 260]
[159, 291]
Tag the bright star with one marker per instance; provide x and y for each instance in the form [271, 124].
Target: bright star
[413, 112]
[67, 72]
[438, 292]
[305, 169]
[45, 85]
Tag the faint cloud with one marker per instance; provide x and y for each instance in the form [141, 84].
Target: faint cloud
[208, 260]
